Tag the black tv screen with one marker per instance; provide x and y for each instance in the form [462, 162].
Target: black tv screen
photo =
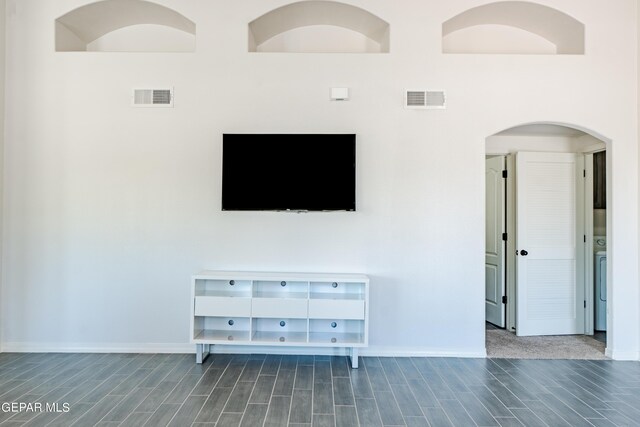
[296, 172]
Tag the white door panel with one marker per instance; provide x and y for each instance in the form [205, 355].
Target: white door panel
[550, 227]
[494, 245]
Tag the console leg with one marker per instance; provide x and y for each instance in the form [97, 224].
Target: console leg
[202, 352]
[353, 352]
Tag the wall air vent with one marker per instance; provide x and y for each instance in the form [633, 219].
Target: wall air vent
[425, 100]
[153, 97]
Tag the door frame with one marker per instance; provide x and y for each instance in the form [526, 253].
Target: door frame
[589, 323]
[609, 226]
[511, 243]
[589, 276]
[510, 246]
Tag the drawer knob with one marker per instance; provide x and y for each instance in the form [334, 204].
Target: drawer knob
[283, 323]
[232, 282]
[231, 322]
[334, 324]
[283, 283]
[334, 285]
[333, 340]
[230, 338]
[281, 339]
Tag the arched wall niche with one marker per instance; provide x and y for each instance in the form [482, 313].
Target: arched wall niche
[513, 27]
[319, 26]
[124, 25]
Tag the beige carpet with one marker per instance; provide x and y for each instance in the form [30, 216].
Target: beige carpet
[504, 344]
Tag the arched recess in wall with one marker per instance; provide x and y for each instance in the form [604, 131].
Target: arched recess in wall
[319, 27]
[515, 27]
[124, 26]
[546, 138]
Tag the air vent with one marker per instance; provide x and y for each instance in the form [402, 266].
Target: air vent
[425, 100]
[416, 99]
[153, 97]
[436, 99]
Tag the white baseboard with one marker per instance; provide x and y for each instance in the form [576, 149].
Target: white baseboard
[622, 355]
[29, 347]
[25, 347]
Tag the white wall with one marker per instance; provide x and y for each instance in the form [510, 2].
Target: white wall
[110, 209]
[2, 100]
[638, 98]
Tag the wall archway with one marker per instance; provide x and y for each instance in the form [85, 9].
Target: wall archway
[482, 30]
[560, 137]
[95, 27]
[579, 128]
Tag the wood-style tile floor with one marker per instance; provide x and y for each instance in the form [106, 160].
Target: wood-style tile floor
[269, 390]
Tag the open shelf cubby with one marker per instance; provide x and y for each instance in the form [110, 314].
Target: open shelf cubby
[221, 329]
[329, 332]
[319, 26]
[279, 309]
[124, 26]
[513, 27]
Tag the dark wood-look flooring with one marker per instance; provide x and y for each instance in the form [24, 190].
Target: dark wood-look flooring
[269, 390]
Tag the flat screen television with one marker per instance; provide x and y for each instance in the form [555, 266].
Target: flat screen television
[289, 172]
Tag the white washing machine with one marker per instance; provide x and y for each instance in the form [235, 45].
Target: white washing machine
[600, 249]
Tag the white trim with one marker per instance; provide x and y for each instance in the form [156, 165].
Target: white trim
[622, 355]
[34, 347]
[589, 284]
[184, 348]
[30, 347]
[510, 207]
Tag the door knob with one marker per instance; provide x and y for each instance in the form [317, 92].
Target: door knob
[524, 253]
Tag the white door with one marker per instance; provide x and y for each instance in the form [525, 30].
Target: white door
[494, 260]
[550, 244]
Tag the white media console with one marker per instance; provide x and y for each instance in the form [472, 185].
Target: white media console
[279, 309]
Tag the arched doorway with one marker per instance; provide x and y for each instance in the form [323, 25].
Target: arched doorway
[540, 251]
